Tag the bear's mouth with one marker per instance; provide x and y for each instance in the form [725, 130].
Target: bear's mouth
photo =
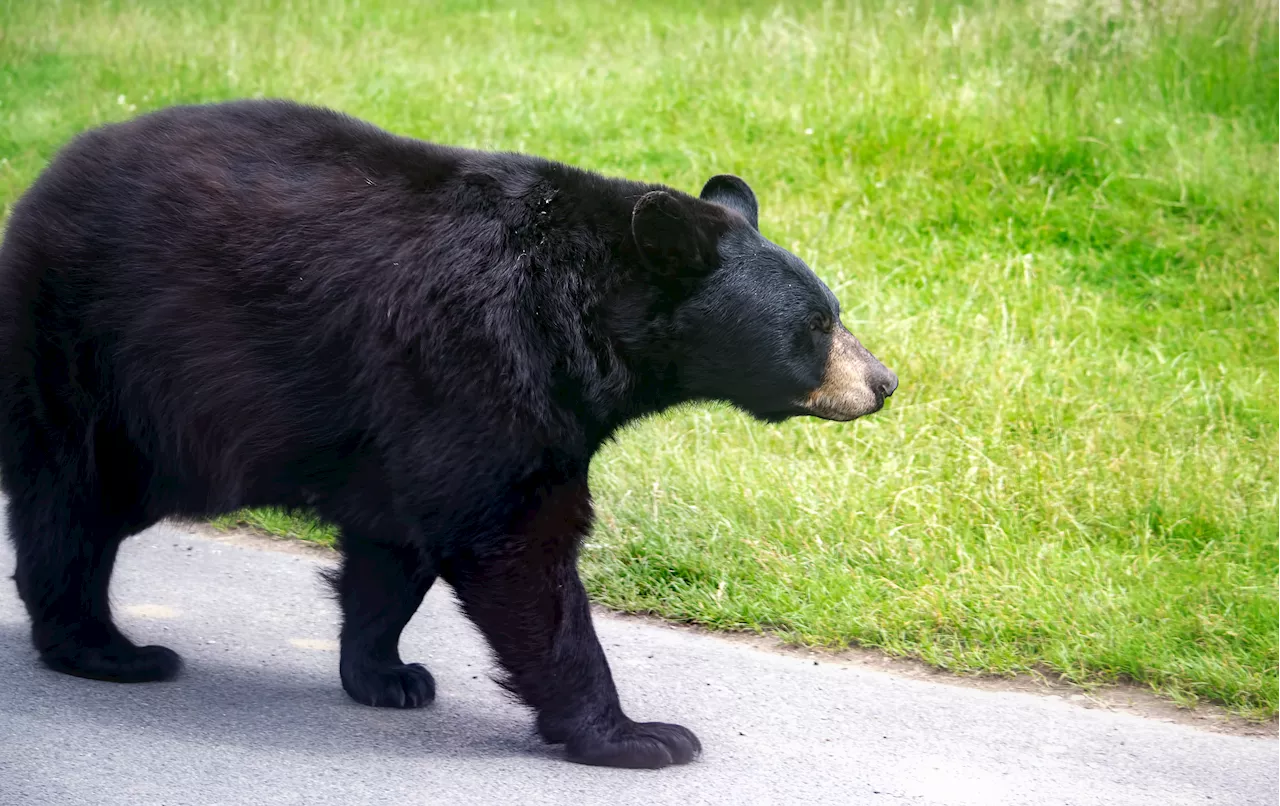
[821, 406]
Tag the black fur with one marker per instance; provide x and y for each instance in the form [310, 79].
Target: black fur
[260, 303]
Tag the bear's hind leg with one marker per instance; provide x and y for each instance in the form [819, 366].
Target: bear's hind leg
[380, 587]
[66, 551]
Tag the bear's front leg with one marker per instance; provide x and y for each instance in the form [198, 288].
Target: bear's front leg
[525, 595]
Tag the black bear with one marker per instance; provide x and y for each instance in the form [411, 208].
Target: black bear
[261, 303]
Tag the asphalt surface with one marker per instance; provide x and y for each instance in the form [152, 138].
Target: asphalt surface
[259, 717]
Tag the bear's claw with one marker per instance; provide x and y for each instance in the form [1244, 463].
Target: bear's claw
[636, 745]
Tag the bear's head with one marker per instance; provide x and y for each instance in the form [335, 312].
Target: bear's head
[755, 326]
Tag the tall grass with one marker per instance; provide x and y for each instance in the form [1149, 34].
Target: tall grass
[1056, 221]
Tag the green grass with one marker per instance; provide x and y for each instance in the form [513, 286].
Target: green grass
[1056, 221]
[299, 526]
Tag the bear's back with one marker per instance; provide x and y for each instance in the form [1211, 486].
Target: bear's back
[256, 278]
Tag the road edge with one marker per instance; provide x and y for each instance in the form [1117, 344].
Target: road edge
[1123, 697]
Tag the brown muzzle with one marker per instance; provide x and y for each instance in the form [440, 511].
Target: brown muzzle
[854, 384]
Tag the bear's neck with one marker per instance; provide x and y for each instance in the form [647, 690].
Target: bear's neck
[610, 337]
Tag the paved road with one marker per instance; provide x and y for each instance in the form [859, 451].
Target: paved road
[259, 716]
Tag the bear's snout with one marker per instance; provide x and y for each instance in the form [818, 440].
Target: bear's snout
[854, 383]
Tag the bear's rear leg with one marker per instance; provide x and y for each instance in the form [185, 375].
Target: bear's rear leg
[380, 587]
[65, 557]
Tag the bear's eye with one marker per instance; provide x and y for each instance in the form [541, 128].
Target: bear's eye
[820, 322]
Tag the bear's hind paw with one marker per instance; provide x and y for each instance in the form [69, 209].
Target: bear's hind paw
[403, 685]
[118, 662]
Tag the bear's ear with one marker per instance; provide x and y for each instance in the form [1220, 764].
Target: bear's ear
[729, 191]
[673, 237]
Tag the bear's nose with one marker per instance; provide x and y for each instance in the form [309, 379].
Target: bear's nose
[886, 385]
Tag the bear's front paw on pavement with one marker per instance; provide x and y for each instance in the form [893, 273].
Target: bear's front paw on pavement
[638, 745]
[404, 685]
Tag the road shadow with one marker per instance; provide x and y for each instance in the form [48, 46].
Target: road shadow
[256, 708]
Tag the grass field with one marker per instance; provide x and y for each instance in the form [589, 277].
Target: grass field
[1056, 221]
